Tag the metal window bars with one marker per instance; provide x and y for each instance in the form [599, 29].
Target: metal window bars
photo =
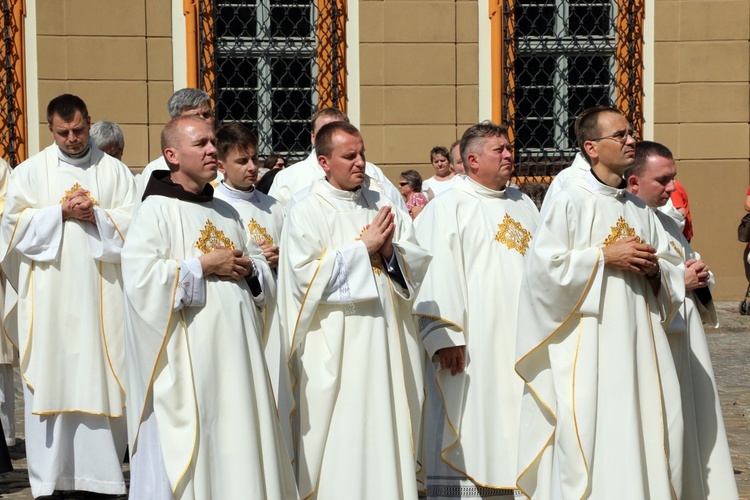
[271, 64]
[559, 58]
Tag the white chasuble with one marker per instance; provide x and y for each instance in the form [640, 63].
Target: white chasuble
[67, 277]
[200, 369]
[478, 238]
[356, 351]
[601, 415]
[708, 472]
[263, 218]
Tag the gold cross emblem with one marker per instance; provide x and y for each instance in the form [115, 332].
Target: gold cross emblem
[211, 237]
[513, 235]
[258, 233]
[620, 231]
[77, 187]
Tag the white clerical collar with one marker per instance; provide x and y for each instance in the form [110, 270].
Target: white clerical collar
[250, 195]
[599, 187]
[484, 190]
[340, 193]
[84, 160]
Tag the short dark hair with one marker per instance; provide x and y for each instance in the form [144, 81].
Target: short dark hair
[475, 136]
[643, 151]
[65, 106]
[439, 150]
[235, 136]
[414, 179]
[450, 150]
[587, 125]
[333, 112]
[324, 137]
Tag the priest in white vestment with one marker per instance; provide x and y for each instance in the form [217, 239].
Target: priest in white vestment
[601, 415]
[203, 422]
[263, 218]
[9, 336]
[707, 464]
[66, 215]
[295, 180]
[478, 233]
[183, 102]
[350, 268]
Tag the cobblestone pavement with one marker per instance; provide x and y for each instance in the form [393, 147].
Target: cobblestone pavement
[730, 350]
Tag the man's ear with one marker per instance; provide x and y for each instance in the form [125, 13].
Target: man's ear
[590, 148]
[323, 162]
[633, 183]
[221, 167]
[170, 154]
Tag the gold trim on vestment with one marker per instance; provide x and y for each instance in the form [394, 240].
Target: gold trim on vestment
[664, 428]
[676, 249]
[293, 349]
[535, 460]
[158, 356]
[195, 409]
[575, 416]
[96, 414]
[119, 233]
[13, 235]
[528, 384]
[5, 315]
[439, 318]
[104, 333]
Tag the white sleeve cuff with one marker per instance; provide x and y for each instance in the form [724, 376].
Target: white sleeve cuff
[42, 239]
[105, 241]
[191, 289]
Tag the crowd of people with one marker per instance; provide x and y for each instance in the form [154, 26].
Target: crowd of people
[341, 337]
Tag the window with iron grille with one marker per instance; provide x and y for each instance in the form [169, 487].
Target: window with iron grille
[271, 64]
[13, 147]
[560, 58]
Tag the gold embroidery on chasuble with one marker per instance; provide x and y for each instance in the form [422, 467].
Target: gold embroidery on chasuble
[513, 235]
[77, 187]
[676, 249]
[375, 260]
[211, 237]
[258, 233]
[620, 231]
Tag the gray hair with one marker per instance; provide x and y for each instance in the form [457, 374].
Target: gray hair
[106, 134]
[186, 99]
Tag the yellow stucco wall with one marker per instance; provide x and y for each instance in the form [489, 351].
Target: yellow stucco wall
[701, 112]
[114, 54]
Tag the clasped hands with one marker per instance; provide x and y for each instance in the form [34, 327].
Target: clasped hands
[77, 205]
[227, 264]
[696, 274]
[629, 255]
[378, 236]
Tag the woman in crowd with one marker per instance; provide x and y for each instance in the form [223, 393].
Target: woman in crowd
[444, 176]
[410, 186]
[272, 166]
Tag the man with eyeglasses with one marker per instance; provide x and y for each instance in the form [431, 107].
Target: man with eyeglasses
[581, 163]
[601, 415]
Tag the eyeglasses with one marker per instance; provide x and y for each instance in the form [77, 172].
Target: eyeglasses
[403, 183]
[620, 136]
